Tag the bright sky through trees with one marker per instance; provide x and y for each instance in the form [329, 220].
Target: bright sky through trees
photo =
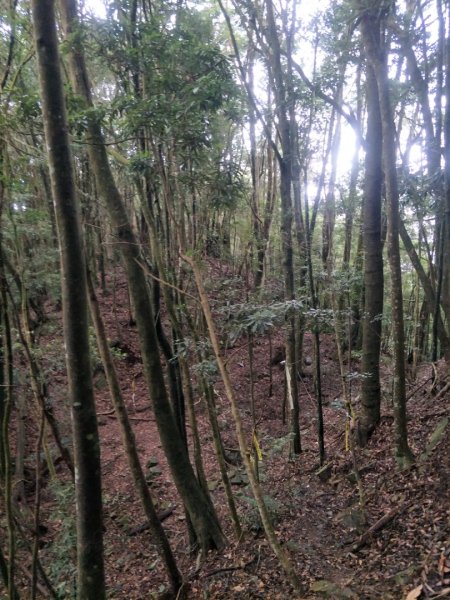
[308, 12]
[96, 6]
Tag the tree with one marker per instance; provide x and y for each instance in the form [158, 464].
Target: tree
[446, 203]
[373, 265]
[129, 443]
[284, 109]
[204, 519]
[377, 57]
[91, 581]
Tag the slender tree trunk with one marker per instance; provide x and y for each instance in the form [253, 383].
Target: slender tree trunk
[317, 362]
[129, 443]
[3, 389]
[430, 294]
[245, 452]
[285, 164]
[8, 381]
[40, 388]
[91, 580]
[204, 519]
[352, 198]
[3, 569]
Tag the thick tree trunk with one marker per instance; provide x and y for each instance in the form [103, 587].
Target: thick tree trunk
[373, 266]
[205, 521]
[370, 28]
[445, 229]
[91, 581]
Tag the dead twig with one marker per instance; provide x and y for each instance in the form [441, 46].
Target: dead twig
[440, 413]
[379, 525]
[140, 419]
[43, 590]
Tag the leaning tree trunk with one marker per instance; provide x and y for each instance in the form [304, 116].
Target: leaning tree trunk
[431, 295]
[370, 26]
[373, 267]
[129, 443]
[275, 545]
[204, 519]
[91, 580]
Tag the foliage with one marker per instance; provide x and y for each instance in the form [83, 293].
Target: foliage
[207, 369]
[59, 558]
[258, 319]
[28, 240]
[174, 110]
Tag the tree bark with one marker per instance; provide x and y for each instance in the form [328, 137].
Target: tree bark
[370, 30]
[129, 444]
[204, 519]
[373, 266]
[285, 164]
[445, 230]
[91, 581]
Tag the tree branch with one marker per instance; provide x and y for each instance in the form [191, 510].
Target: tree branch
[348, 116]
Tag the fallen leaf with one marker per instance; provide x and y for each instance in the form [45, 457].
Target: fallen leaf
[441, 564]
[415, 593]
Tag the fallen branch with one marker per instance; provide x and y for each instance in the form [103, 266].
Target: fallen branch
[443, 391]
[162, 516]
[440, 413]
[43, 590]
[417, 388]
[106, 414]
[379, 525]
[140, 419]
[230, 569]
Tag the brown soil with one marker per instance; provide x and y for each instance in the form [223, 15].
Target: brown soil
[317, 519]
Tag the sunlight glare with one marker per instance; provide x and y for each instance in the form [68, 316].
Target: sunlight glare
[95, 7]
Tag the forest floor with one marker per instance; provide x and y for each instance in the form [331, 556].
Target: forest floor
[318, 518]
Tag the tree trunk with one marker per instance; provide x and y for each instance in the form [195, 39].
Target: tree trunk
[7, 482]
[373, 267]
[204, 519]
[430, 294]
[370, 29]
[445, 229]
[91, 581]
[129, 444]
[245, 453]
[285, 164]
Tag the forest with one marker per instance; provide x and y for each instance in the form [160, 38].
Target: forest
[224, 299]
